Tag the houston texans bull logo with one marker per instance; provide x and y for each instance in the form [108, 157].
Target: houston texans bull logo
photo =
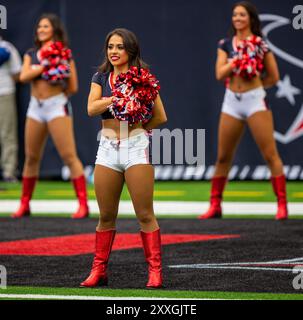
[289, 90]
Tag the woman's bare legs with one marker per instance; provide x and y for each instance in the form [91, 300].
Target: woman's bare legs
[108, 188]
[229, 135]
[140, 183]
[61, 131]
[262, 128]
[35, 138]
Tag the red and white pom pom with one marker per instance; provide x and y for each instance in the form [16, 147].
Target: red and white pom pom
[55, 59]
[135, 92]
[250, 55]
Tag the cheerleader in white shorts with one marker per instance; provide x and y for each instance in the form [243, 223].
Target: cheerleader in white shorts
[123, 157]
[245, 62]
[49, 112]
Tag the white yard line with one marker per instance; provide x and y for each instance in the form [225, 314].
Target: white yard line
[76, 297]
[161, 207]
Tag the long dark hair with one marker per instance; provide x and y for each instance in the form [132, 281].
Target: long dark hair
[255, 24]
[131, 46]
[58, 29]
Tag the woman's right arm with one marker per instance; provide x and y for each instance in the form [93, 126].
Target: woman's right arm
[96, 105]
[224, 67]
[29, 71]
[158, 115]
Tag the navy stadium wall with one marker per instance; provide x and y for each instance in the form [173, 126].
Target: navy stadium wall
[179, 40]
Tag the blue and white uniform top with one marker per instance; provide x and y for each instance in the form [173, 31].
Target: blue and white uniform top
[229, 45]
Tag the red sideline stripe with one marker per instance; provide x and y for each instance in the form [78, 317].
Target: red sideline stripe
[85, 243]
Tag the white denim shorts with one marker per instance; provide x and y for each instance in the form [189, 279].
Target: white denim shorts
[120, 155]
[243, 105]
[46, 110]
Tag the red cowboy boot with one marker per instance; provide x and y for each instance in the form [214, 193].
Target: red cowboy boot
[28, 185]
[279, 187]
[152, 250]
[215, 210]
[98, 274]
[80, 189]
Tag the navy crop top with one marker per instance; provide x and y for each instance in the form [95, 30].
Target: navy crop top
[33, 54]
[229, 46]
[34, 58]
[104, 80]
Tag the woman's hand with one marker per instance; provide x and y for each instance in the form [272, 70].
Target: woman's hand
[272, 75]
[29, 72]
[159, 115]
[224, 66]
[37, 67]
[109, 100]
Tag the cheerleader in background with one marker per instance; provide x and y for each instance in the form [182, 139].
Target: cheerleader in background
[53, 76]
[123, 152]
[249, 67]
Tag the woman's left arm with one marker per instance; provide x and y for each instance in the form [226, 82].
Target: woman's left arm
[72, 83]
[159, 115]
[272, 75]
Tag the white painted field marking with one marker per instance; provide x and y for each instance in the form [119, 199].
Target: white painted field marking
[237, 268]
[161, 207]
[258, 266]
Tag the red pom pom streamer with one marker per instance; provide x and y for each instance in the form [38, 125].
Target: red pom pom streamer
[135, 92]
[249, 57]
[55, 58]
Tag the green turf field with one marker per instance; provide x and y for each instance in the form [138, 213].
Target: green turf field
[165, 191]
[58, 293]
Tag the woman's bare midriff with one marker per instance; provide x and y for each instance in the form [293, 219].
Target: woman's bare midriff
[238, 84]
[41, 89]
[115, 129]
